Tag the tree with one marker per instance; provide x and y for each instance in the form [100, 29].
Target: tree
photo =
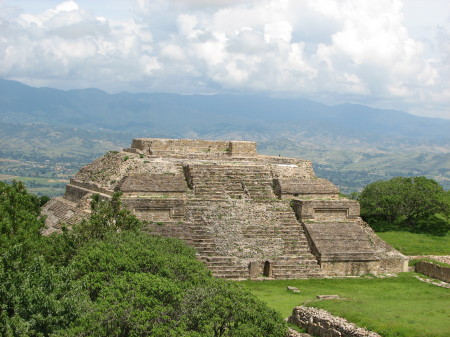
[106, 277]
[35, 297]
[20, 220]
[416, 204]
[145, 285]
[106, 216]
[220, 308]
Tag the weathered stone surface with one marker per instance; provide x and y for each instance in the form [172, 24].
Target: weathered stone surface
[152, 183]
[321, 323]
[328, 297]
[293, 289]
[433, 270]
[295, 187]
[293, 333]
[234, 207]
[183, 147]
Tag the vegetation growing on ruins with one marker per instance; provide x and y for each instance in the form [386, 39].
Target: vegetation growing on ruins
[394, 306]
[415, 204]
[108, 278]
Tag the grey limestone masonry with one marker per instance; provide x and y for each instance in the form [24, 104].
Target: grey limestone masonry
[155, 146]
[433, 270]
[305, 188]
[321, 323]
[247, 215]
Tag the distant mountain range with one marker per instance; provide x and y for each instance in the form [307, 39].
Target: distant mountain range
[216, 116]
[337, 138]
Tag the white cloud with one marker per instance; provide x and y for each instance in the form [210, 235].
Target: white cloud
[328, 49]
[281, 30]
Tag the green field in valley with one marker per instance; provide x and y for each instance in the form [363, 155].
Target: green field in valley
[40, 186]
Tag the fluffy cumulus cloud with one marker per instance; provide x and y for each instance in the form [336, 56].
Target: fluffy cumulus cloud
[329, 50]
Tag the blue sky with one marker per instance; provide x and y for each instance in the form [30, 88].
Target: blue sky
[384, 53]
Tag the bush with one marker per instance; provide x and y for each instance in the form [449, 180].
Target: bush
[144, 285]
[20, 221]
[108, 278]
[221, 308]
[416, 204]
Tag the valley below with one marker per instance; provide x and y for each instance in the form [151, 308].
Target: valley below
[47, 135]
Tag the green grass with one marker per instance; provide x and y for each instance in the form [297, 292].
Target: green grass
[398, 306]
[417, 244]
[439, 263]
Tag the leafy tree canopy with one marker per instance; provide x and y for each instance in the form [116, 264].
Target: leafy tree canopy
[20, 221]
[416, 204]
[106, 277]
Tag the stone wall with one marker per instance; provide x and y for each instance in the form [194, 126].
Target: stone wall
[287, 168]
[433, 270]
[157, 210]
[154, 146]
[91, 187]
[323, 210]
[238, 148]
[321, 323]
[145, 182]
[75, 193]
[315, 188]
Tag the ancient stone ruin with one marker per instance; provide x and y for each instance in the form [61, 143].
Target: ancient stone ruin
[321, 323]
[247, 215]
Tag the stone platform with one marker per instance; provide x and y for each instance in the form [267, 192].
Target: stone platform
[247, 215]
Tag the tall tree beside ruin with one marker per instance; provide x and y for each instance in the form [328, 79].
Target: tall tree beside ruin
[415, 204]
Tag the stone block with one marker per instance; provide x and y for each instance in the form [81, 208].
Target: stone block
[293, 289]
[326, 210]
[305, 187]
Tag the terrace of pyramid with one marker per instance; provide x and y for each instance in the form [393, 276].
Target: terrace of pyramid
[247, 215]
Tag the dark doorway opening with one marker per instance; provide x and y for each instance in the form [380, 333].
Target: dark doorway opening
[267, 272]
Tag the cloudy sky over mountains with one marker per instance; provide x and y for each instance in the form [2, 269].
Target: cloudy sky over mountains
[384, 53]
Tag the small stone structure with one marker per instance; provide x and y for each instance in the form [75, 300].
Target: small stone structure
[247, 215]
[321, 323]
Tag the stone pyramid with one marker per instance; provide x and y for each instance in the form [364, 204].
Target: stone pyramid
[247, 215]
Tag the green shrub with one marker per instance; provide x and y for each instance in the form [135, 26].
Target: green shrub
[416, 204]
[20, 220]
[105, 277]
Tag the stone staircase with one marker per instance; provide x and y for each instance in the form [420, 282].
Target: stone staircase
[235, 181]
[341, 241]
[295, 261]
[204, 244]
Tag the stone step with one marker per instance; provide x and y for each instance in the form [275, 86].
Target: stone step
[297, 276]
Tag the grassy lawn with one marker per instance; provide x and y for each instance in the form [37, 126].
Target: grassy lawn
[417, 244]
[398, 306]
